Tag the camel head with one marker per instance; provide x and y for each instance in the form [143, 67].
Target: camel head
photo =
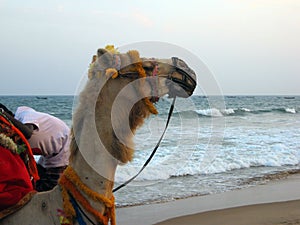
[128, 86]
[178, 77]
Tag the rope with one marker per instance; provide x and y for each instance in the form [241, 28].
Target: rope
[153, 152]
[77, 211]
[72, 186]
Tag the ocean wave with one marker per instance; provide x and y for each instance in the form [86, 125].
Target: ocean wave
[164, 173]
[214, 112]
[227, 160]
[290, 110]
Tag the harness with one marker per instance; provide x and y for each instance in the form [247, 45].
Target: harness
[187, 82]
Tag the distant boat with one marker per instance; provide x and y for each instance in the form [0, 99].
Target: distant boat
[38, 97]
[289, 97]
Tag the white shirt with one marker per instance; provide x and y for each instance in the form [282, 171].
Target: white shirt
[51, 136]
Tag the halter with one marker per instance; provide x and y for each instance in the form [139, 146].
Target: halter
[187, 82]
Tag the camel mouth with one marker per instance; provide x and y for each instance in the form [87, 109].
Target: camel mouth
[182, 81]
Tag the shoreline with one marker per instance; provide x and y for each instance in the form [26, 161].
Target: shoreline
[191, 209]
[277, 213]
[246, 183]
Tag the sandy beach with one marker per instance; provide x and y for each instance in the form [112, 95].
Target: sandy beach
[271, 213]
[277, 202]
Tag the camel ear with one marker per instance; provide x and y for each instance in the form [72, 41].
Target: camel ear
[101, 51]
[105, 56]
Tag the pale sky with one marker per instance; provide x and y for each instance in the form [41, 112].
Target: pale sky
[250, 46]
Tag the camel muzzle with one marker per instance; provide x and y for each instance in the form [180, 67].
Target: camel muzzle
[182, 81]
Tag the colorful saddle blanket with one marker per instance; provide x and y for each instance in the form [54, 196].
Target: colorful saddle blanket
[17, 168]
[15, 181]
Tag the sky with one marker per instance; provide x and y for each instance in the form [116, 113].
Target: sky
[251, 47]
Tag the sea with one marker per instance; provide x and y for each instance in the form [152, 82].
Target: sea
[213, 144]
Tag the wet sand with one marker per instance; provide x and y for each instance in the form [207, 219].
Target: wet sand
[277, 202]
[271, 213]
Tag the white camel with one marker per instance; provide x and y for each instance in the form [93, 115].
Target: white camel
[117, 98]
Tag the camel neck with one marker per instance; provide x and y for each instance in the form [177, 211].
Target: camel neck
[101, 183]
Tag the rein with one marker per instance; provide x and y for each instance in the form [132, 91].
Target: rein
[153, 151]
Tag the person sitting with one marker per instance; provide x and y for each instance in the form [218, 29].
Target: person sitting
[27, 131]
[50, 139]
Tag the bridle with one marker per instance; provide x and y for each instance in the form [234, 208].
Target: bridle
[187, 82]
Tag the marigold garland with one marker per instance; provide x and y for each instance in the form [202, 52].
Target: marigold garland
[8, 143]
[71, 184]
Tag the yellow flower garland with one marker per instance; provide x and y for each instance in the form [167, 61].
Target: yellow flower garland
[8, 143]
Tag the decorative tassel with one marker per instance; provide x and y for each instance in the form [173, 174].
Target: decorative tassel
[111, 49]
[111, 72]
[134, 56]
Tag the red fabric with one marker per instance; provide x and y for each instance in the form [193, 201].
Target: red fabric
[31, 164]
[14, 179]
[36, 151]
